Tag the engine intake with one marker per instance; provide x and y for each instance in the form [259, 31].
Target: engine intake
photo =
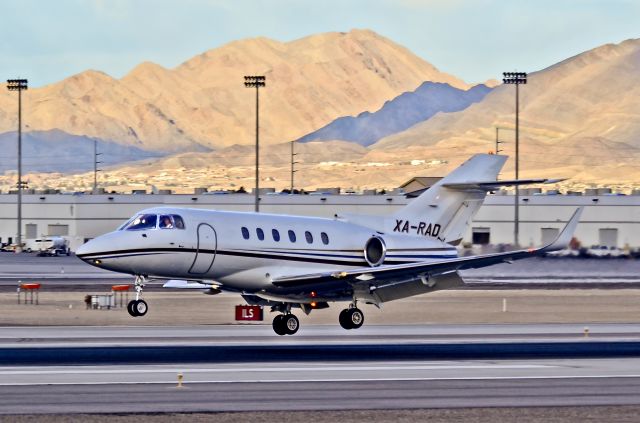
[374, 251]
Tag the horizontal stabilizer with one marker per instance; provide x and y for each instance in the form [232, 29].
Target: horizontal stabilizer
[493, 185]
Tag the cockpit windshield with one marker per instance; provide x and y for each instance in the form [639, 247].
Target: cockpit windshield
[153, 221]
[142, 221]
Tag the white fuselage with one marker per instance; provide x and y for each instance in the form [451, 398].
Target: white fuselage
[246, 251]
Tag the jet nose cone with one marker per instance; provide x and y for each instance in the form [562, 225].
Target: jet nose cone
[90, 252]
[84, 249]
[89, 249]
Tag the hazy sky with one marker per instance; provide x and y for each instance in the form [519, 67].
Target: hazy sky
[46, 41]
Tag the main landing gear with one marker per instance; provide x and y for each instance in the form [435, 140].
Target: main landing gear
[138, 307]
[351, 318]
[286, 324]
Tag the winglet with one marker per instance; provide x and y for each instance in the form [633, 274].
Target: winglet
[564, 238]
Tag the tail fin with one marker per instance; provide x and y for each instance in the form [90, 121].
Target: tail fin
[445, 210]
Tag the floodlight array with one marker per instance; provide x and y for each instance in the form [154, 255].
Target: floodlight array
[16, 84]
[254, 81]
[514, 77]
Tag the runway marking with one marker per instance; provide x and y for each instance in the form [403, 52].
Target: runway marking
[188, 382]
[273, 369]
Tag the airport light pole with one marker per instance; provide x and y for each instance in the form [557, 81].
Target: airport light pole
[19, 85]
[516, 78]
[256, 81]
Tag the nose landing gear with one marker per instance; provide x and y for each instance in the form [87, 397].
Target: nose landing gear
[286, 324]
[138, 307]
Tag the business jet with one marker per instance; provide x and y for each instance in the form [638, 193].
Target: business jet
[293, 262]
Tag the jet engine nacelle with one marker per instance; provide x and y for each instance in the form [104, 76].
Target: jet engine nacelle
[374, 251]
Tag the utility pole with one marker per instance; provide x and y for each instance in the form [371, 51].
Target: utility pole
[95, 166]
[516, 78]
[292, 169]
[256, 81]
[498, 142]
[19, 85]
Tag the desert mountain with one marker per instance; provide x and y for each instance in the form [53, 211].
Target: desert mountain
[203, 104]
[399, 114]
[583, 111]
[57, 151]
[277, 155]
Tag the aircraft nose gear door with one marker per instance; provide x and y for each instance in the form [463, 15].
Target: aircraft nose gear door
[206, 252]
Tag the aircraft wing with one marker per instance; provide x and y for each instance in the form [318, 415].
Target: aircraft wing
[431, 268]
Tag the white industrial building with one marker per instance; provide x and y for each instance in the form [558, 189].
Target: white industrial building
[609, 220]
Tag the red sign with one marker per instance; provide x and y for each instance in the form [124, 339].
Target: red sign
[249, 312]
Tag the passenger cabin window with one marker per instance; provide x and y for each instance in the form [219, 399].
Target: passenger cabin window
[275, 234]
[309, 237]
[143, 221]
[245, 233]
[325, 238]
[292, 236]
[166, 222]
[260, 234]
[177, 221]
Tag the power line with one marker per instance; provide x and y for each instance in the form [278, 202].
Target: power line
[95, 166]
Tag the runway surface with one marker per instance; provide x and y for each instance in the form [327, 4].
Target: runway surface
[319, 386]
[247, 368]
[262, 334]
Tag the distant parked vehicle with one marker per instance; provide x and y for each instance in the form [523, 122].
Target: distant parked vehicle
[567, 252]
[52, 246]
[12, 248]
[602, 251]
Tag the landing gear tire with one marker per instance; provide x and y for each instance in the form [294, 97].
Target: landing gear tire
[286, 324]
[291, 324]
[137, 308]
[344, 319]
[278, 325]
[356, 318]
[141, 308]
[351, 318]
[131, 308]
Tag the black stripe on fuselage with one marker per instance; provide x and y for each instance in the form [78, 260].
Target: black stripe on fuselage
[246, 254]
[136, 252]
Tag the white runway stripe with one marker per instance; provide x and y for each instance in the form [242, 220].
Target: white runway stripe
[382, 379]
[66, 371]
